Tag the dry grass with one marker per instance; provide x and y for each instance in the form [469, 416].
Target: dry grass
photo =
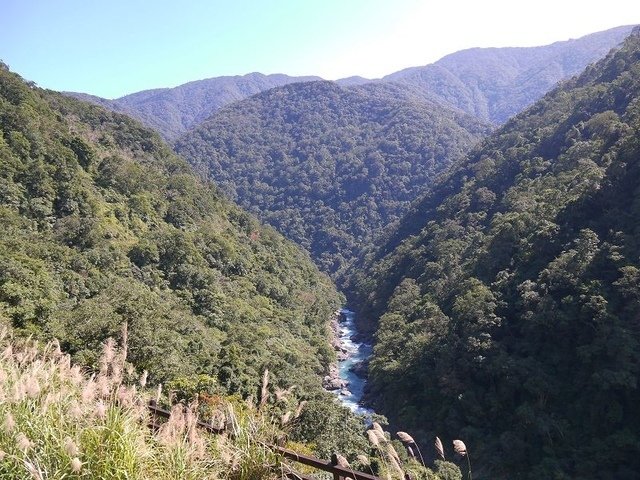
[439, 448]
[461, 449]
[57, 422]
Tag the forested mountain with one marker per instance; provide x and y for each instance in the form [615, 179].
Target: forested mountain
[103, 224]
[507, 299]
[496, 83]
[329, 166]
[489, 83]
[172, 111]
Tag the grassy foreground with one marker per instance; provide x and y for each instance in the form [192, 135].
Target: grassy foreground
[59, 422]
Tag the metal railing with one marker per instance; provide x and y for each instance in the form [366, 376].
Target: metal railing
[331, 466]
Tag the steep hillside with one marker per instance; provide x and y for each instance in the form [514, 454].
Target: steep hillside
[172, 111]
[329, 166]
[507, 299]
[103, 224]
[496, 83]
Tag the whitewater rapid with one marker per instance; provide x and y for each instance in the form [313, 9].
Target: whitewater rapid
[357, 352]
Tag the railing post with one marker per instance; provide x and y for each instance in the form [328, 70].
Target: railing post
[335, 462]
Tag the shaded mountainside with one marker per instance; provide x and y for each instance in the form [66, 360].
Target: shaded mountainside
[496, 83]
[329, 166]
[172, 111]
[103, 224]
[507, 299]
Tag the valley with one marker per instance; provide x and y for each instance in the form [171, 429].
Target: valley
[451, 250]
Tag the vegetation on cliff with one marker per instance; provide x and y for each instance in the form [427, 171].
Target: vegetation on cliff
[103, 224]
[506, 299]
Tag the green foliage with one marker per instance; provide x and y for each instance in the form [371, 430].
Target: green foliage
[328, 166]
[58, 423]
[103, 225]
[447, 470]
[506, 301]
[329, 429]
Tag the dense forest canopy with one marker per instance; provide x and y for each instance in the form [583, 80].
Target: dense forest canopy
[329, 166]
[507, 302]
[499, 278]
[103, 224]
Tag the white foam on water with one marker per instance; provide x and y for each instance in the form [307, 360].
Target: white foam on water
[357, 352]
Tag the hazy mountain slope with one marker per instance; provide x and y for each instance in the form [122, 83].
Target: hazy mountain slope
[496, 83]
[489, 83]
[352, 81]
[172, 111]
[507, 299]
[103, 224]
[329, 166]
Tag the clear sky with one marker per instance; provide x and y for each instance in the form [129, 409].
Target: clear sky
[114, 47]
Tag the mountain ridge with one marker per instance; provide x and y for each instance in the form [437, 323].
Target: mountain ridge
[495, 83]
[104, 225]
[504, 299]
[172, 111]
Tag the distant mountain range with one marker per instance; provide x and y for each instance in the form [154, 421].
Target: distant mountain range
[172, 111]
[496, 83]
[490, 83]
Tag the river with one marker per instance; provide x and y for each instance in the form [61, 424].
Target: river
[357, 352]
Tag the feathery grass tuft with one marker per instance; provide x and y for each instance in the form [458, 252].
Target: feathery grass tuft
[408, 440]
[461, 449]
[58, 423]
[439, 448]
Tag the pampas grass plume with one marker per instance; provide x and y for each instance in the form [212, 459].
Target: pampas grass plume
[439, 448]
[264, 391]
[23, 442]
[342, 461]
[300, 408]
[459, 447]
[373, 438]
[76, 465]
[9, 423]
[405, 438]
[70, 447]
[143, 379]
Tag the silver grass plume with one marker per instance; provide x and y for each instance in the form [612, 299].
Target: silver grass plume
[373, 438]
[439, 448]
[408, 440]
[264, 391]
[405, 438]
[461, 449]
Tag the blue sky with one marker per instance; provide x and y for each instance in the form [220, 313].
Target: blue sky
[114, 47]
